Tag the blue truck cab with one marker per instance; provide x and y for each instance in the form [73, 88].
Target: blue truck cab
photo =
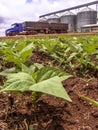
[15, 29]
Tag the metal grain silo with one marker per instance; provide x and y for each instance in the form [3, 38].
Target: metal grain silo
[85, 17]
[70, 19]
[42, 19]
[53, 19]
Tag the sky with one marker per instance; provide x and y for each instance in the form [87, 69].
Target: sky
[12, 11]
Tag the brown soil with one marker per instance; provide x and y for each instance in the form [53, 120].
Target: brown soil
[17, 112]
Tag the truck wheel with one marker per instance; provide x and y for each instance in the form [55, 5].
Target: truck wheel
[6, 35]
[17, 33]
[13, 34]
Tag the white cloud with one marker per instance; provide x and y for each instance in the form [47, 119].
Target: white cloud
[20, 9]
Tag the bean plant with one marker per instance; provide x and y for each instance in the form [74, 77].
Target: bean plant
[37, 80]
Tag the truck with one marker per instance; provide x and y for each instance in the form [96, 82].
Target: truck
[29, 28]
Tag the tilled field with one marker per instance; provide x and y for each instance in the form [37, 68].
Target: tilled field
[51, 113]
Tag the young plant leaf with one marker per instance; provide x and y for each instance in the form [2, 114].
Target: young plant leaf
[8, 71]
[48, 72]
[18, 82]
[26, 52]
[51, 86]
[49, 83]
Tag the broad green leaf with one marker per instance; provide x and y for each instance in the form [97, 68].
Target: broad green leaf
[8, 71]
[90, 48]
[26, 52]
[49, 72]
[28, 70]
[51, 86]
[72, 55]
[75, 47]
[10, 56]
[39, 66]
[18, 82]
[32, 69]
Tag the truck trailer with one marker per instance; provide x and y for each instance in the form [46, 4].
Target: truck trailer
[29, 28]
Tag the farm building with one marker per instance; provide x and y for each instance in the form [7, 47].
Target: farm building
[85, 18]
[90, 28]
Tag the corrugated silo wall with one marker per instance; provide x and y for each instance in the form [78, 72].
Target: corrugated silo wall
[53, 20]
[70, 20]
[86, 17]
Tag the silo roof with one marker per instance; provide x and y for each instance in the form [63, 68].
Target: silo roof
[87, 9]
[54, 16]
[68, 13]
[42, 19]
